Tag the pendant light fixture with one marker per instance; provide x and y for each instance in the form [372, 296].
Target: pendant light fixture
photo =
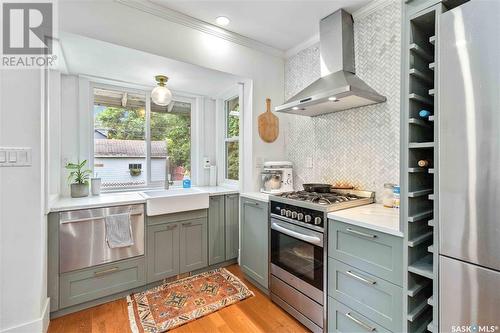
[161, 95]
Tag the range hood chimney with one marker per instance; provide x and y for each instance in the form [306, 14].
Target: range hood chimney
[338, 88]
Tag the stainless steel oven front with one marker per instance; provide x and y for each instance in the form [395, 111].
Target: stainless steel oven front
[297, 271]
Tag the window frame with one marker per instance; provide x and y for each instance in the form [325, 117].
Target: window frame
[131, 88]
[221, 126]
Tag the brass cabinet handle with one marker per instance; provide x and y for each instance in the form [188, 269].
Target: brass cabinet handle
[360, 278]
[187, 224]
[360, 323]
[359, 233]
[172, 227]
[106, 271]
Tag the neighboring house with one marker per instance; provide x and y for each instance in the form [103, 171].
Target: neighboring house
[122, 163]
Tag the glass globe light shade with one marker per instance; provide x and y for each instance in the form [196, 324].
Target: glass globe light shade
[161, 96]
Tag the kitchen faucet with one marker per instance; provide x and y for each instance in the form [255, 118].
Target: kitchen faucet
[167, 168]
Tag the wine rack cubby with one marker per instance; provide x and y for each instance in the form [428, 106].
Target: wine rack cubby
[419, 163]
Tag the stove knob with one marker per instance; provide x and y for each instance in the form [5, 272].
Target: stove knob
[307, 218]
[283, 212]
[317, 220]
[294, 215]
[300, 216]
[288, 213]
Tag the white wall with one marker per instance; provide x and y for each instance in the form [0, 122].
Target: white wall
[23, 290]
[119, 24]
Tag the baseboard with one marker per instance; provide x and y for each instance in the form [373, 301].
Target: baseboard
[40, 325]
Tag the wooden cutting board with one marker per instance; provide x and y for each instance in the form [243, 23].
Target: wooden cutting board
[269, 124]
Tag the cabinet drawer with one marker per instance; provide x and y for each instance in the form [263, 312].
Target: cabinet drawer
[369, 250]
[93, 283]
[369, 295]
[343, 319]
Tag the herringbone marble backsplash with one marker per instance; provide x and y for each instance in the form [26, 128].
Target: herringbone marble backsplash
[359, 146]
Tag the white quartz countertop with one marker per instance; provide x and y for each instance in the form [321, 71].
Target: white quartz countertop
[103, 200]
[374, 216]
[264, 197]
[121, 198]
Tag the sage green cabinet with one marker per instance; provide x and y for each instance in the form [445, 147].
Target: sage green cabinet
[372, 251]
[216, 230]
[342, 319]
[255, 240]
[193, 245]
[371, 296]
[231, 225]
[223, 229]
[162, 251]
[92, 283]
[176, 243]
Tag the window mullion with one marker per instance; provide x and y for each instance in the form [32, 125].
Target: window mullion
[148, 138]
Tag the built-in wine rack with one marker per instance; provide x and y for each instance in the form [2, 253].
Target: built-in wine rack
[420, 160]
[419, 167]
[419, 155]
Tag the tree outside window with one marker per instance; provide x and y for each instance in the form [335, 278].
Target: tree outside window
[232, 153]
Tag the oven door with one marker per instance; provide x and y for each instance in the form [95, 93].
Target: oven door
[297, 257]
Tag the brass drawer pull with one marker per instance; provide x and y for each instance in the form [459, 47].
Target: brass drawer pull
[360, 278]
[352, 231]
[187, 224]
[106, 271]
[360, 323]
[172, 227]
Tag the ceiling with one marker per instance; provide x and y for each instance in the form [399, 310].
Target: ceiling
[91, 57]
[281, 24]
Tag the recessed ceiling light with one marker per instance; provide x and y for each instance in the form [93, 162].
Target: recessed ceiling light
[222, 21]
[333, 99]
[295, 108]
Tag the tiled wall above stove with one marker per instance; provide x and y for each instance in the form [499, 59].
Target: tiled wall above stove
[358, 146]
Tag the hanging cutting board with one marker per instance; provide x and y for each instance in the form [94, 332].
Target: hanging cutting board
[268, 124]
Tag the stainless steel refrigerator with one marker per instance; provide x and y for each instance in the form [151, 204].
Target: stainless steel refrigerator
[469, 167]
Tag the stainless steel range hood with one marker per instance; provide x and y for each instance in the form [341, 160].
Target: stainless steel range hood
[338, 88]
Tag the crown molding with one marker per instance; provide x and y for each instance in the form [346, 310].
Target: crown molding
[370, 8]
[193, 23]
[302, 46]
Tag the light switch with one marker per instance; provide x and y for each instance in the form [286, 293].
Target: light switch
[15, 157]
[22, 156]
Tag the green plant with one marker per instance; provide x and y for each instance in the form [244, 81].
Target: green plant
[78, 175]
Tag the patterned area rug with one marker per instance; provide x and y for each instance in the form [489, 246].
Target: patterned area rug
[176, 303]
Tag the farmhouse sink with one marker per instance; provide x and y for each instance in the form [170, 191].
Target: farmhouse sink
[159, 202]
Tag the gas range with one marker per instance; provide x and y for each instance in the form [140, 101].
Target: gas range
[309, 209]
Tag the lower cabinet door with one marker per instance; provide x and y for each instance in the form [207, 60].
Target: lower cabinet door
[255, 240]
[93, 283]
[216, 230]
[343, 319]
[162, 251]
[232, 225]
[193, 245]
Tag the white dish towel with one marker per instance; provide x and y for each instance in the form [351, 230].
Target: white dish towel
[119, 230]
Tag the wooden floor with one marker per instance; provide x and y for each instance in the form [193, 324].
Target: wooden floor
[255, 314]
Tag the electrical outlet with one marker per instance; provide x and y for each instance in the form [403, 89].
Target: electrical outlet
[309, 162]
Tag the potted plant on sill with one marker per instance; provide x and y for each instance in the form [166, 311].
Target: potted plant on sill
[79, 179]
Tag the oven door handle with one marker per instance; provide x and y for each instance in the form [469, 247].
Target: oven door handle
[306, 238]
